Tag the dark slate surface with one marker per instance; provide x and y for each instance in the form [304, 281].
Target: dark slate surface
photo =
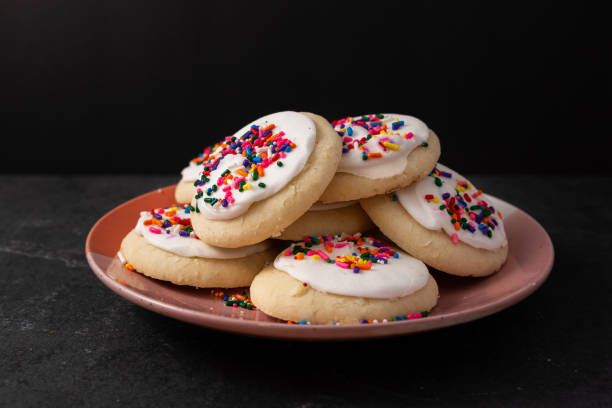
[66, 340]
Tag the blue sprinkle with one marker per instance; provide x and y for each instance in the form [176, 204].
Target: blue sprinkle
[166, 224]
[303, 322]
[396, 255]
[257, 159]
[233, 146]
[288, 149]
[445, 196]
[333, 323]
[225, 298]
[363, 321]
[339, 133]
[183, 233]
[224, 202]
[349, 131]
[356, 269]
[187, 211]
[159, 217]
[394, 198]
[345, 150]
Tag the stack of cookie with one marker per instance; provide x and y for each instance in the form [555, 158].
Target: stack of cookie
[295, 177]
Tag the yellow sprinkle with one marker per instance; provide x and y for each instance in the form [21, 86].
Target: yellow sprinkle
[391, 146]
[316, 257]
[246, 187]
[435, 200]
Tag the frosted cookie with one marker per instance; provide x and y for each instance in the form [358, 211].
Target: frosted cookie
[381, 153]
[328, 219]
[164, 246]
[263, 178]
[343, 279]
[444, 221]
[185, 189]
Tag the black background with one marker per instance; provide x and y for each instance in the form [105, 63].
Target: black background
[142, 86]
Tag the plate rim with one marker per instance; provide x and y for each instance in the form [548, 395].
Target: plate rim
[309, 332]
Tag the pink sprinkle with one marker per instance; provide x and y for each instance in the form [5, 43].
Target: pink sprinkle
[455, 239]
[343, 265]
[310, 253]
[472, 216]
[155, 230]
[342, 245]
[287, 253]
[282, 154]
[409, 135]
[348, 139]
[160, 211]
[220, 180]
[199, 190]
[323, 255]
[176, 218]
[227, 188]
[307, 239]
[414, 316]
[281, 133]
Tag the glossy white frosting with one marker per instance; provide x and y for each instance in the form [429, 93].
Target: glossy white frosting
[297, 128]
[392, 162]
[191, 172]
[399, 277]
[427, 212]
[189, 246]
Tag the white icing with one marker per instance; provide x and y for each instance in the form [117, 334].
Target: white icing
[428, 213]
[190, 246]
[318, 206]
[392, 162]
[191, 172]
[399, 277]
[298, 128]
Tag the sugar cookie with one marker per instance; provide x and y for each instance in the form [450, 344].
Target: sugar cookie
[444, 221]
[343, 279]
[328, 219]
[264, 178]
[381, 153]
[164, 246]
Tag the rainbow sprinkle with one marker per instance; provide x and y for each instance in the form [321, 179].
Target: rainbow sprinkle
[369, 250]
[260, 148]
[169, 221]
[242, 300]
[376, 129]
[466, 208]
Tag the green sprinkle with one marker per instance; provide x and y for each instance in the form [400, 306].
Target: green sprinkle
[262, 185]
[197, 208]
[328, 261]
[195, 183]
[380, 116]
[438, 182]
[475, 207]
[424, 314]
[486, 212]
[191, 208]
[200, 194]
[255, 175]
[225, 172]
[364, 157]
[279, 163]
[443, 206]
[206, 168]
[424, 144]
[214, 187]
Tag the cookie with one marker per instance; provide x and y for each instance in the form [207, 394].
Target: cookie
[444, 221]
[163, 246]
[381, 153]
[186, 187]
[264, 178]
[328, 219]
[343, 279]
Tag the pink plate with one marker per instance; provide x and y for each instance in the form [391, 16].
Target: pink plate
[529, 262]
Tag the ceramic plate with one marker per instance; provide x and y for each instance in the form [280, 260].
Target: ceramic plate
[530, 260]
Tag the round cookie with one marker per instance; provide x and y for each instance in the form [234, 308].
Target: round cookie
[264, 178]
[321, 282]
[186, 187]
[163, 246]
[470, 242]
[328, 219]
[381, 153]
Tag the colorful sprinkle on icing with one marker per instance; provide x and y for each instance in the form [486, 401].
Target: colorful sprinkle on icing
[169, 221]
[260, 147]
[466, 207]
[369, 250]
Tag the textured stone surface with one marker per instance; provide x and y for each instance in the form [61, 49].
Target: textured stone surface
[66, 340]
